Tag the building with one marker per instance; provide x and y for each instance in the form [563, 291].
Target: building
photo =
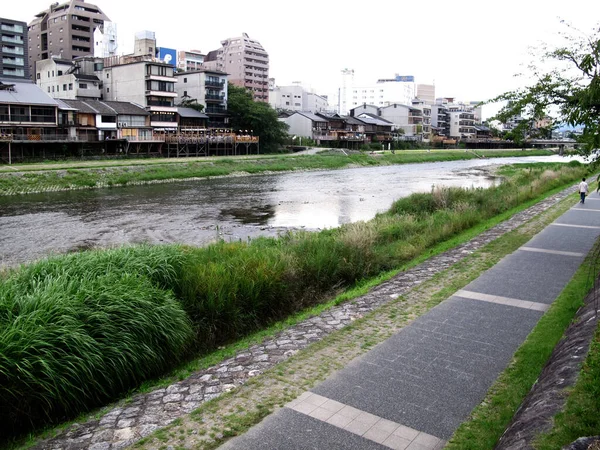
[205, 87]
[296, 98]
[65, 30]
[455, 120]
[65, 79]
[246, 62]
[96, 120]
[143, 81]
[188, 61]
[398, 90]
[426, 92]
[412, 122]
[14, 50]
[105, 40]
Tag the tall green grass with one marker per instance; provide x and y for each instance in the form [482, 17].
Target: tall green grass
[78, 330]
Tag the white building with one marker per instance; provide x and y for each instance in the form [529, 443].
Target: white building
[296, 98]
[455, 119]
[188, 61]
[105, 41]
[414, 120]
[426, 92]
[78, 79]
[398, 90]
[205, 87]
[145, 82]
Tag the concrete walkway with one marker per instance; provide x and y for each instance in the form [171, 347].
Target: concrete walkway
[414, 390]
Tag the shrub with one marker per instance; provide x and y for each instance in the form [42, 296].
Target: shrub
[69, 343]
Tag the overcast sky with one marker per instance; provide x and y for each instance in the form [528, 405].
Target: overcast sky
[469, 49]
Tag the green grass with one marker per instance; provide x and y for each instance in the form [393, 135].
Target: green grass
[39, 178]
[581, 416]
[489, 420]
[227, 290]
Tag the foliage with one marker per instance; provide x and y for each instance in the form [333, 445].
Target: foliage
[77, 331]
[107, 320]
[191, 103]
[260, 117]
[572, 88]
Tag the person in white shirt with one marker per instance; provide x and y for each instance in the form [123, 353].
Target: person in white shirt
[583, 190]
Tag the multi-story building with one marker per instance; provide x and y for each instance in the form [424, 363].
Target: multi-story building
[246, 62]
[79, 79]
[143, 81]
[65, 30]
[105, 40]
[426, 92]
[188, 61]
[413, 121]
[455, 120]
[398, 90]
[296, 98]
[205, 87]
[13, 52]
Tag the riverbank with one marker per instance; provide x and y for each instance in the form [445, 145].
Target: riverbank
[231, 289]
[72, 175]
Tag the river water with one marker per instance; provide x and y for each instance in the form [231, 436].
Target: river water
[230, 208]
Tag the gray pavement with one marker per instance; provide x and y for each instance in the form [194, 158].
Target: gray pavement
[413, 390]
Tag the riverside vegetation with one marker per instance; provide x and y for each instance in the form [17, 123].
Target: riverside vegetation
[78, 330]
[27, 178]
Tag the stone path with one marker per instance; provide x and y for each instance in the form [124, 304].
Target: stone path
[145, 413]
[412, 391]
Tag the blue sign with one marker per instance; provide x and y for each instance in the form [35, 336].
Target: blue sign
[167, 55]
[408, 78]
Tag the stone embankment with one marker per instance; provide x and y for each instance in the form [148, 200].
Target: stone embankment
[145, 413]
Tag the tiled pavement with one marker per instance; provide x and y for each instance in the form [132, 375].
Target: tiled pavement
[413, 390]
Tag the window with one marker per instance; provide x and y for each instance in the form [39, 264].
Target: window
[109, 119]
[107, 90]
[38, 76]
[52, 88]
[70, 86]
[43, 114]
[60, 72]
[185, 81]
[185, 93]
[48, 88]
[83, 86]
[64, 87]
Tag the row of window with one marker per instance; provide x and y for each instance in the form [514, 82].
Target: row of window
[14, 28]
[13, 61]
[37, 114]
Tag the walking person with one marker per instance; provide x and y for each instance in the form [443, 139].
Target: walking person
[583, 190]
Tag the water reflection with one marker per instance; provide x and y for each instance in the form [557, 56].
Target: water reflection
[199, 212]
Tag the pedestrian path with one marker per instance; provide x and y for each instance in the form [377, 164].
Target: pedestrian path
[414, 390]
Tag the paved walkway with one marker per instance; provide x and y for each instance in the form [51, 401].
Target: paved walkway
[121, 426]
[414, 390]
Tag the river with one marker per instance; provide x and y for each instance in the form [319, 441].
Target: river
[231, 208]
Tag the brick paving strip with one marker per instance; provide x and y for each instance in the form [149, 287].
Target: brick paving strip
[146, 413]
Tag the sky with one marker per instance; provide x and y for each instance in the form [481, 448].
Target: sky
[470, 50]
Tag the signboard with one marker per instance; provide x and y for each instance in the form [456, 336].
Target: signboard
[167, 55]
[408, 78]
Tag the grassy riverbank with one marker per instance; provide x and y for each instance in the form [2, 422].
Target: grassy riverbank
[169, 302]
[30, 178]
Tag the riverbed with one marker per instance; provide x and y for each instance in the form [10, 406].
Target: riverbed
[231, 208]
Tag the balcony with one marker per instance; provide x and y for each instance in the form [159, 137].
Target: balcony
[161, 94]
[216, 110]
[12, 40]
[214, 83]
[214, 99]
[12, 28]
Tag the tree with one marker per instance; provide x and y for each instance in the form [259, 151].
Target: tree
[247, 114]
[571, 88]
[188, 102]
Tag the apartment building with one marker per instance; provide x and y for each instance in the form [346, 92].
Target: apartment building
[14, 50]
[65, 30]
[208, 88]
[455, 120]
[426, 92]
[246, 62]
[188, 61]
[144, 81]
[296, 98]
[399, 90]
